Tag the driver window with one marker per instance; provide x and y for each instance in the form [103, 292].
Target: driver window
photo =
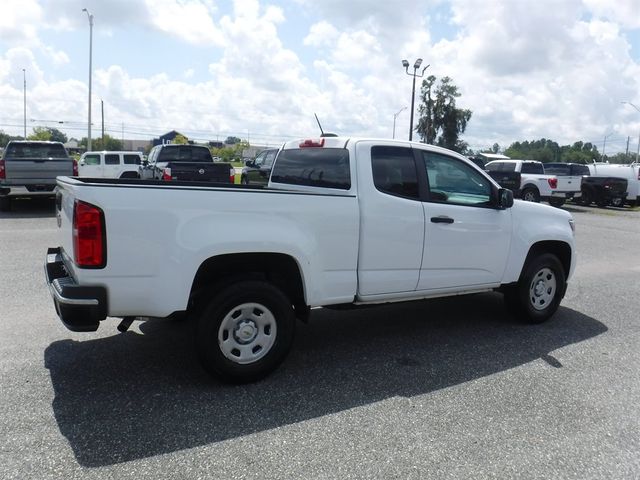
[453, 181]
[92, 159]
[260, 159]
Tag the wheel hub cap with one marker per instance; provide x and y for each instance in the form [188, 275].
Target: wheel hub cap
[247, 333]
[543, 289]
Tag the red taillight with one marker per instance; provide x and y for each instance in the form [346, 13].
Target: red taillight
[166, 174]
[232, 175]
[553, 182]
[3, 173]
[88, 236]
[312, 143]
[75, 168]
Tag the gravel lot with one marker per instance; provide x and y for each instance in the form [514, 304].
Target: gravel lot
[440, 389]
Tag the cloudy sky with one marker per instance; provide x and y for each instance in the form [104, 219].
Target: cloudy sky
[260, 69]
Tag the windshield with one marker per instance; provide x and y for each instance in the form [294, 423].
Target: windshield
[29, 151]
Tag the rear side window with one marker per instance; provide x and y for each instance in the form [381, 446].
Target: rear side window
[557, 169]
[394, 171]
[317, 167]
[580, 170]
[130, 159]
[29, 151]
[500, 167]
[530, 167]
[112, 159]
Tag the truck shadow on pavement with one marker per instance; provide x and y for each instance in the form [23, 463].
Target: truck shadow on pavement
[37, 207]
[132, 396]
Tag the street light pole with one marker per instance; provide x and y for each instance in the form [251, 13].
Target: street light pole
[395, 115]
[24, 76]
[90, 69]
[637, 151]
[604, 144]
[416, 66]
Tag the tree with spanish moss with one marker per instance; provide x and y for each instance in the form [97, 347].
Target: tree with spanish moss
[441, 122]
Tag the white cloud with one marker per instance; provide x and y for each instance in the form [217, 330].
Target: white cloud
[189, 20]
[624, 12]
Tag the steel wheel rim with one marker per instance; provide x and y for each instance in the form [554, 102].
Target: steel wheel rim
[542, 289]
[529, 197]
[247, 333]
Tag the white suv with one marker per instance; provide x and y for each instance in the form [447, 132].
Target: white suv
[110, 164]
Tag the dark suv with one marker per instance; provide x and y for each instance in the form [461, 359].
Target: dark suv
[257, 172]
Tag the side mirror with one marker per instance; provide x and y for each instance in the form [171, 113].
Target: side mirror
[145, 163]
[249, 163]
[505, 198]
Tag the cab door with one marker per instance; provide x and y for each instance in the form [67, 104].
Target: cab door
[112, 167]
[391, 219]
[467, 238]
[90, 165]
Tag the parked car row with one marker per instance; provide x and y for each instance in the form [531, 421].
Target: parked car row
[600, 183]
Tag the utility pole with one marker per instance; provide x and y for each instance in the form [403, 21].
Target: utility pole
[102, 111]
[24, 76]
[604, 144]
[627, 152]
[90, 69]
[395, 115]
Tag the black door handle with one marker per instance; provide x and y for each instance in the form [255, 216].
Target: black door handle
[442, 220]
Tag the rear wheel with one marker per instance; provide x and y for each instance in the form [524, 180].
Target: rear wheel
[537, 295]
[530, 195]
[617, 202]
[245, 332]
[585, 199]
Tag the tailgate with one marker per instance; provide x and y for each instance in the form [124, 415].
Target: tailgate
[202, 172]
[26, 171]
[569, 183]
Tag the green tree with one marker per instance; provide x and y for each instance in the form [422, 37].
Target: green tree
[180, 140]
[97, 144]
[48, 134]
[232, 140]
[439, 116]
[6, 138]
[40, 133]
[57, 135]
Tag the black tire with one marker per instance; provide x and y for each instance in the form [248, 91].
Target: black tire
[5, 204]
[556, 202]
[255, 310]
[531, 194]
[585, 199]
[541, 287]
[617, 202]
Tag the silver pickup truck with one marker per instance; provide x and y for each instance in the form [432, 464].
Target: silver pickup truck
[31, 167]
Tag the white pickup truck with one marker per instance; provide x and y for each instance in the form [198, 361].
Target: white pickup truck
[535, 185]
[342, 222]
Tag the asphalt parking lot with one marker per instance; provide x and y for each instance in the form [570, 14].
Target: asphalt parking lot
[450, 388]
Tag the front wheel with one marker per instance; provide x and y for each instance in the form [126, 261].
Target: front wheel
[245, 332]
[537, 295]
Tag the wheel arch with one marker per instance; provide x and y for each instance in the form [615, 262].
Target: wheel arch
[282, 270]
[560, 249]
